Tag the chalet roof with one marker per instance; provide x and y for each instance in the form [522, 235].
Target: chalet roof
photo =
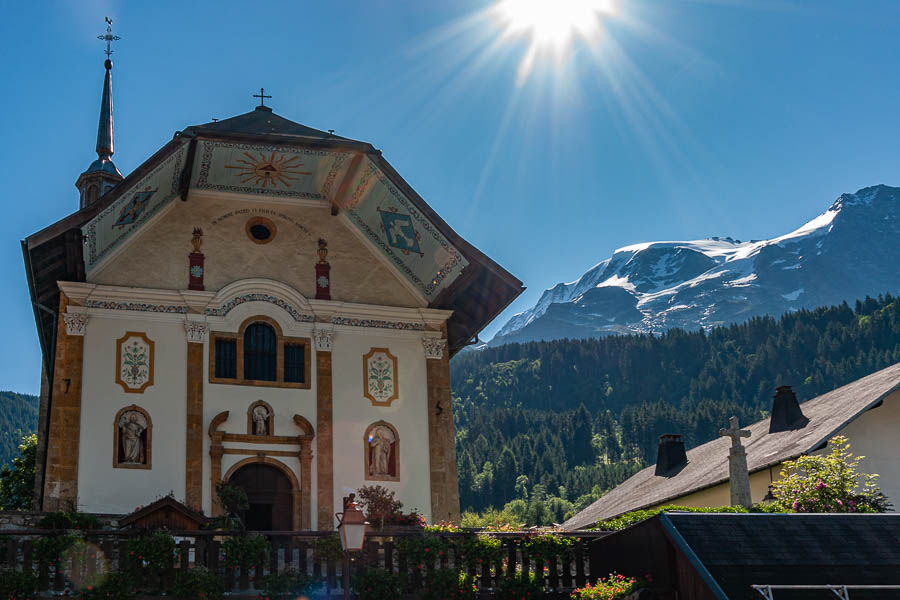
[150, 515]
[708, 463]
[734, 551]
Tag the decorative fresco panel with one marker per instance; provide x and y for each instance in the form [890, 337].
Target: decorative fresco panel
[411, 242]
[116, 222]
[380, 377]
[271, 170]
[134, 362]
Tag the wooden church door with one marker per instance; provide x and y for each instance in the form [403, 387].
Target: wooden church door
[269, 493]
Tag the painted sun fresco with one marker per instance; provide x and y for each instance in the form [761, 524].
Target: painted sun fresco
[268, 171]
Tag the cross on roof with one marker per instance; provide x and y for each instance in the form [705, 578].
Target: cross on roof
[262, 96]
[108, 37]
[735, 432]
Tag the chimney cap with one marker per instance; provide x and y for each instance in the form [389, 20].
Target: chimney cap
[670, 456]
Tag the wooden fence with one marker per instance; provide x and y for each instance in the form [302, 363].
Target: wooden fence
[106, 550]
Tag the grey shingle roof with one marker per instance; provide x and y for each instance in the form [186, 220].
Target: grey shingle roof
[792, 549]
[708, 463]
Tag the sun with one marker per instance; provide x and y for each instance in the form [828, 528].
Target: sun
[552, 25]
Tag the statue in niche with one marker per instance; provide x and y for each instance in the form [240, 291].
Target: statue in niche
[260, 420]
[381, 446]
[132, 441]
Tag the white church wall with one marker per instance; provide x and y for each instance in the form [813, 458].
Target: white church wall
[101, 487]
[353, 413]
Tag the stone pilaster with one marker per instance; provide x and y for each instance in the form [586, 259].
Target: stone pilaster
[306, 457]
[61, 474]
[193, 483]
[324, 432]
[441, 436]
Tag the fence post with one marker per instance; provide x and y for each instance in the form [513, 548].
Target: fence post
[580, 579]
[595, 557]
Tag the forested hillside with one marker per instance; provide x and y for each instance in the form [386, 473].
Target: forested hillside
[579, 416]
[18, 417]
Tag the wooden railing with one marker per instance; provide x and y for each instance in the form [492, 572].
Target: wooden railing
[294, 550]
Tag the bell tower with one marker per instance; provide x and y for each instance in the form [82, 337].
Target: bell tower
[102, 175]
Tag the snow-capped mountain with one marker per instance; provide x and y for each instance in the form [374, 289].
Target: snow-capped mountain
[850, 251]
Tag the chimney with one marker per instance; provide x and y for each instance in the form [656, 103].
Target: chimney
[786, 413]
[671, 456]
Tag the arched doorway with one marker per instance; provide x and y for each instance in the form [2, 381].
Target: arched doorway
[271, 497]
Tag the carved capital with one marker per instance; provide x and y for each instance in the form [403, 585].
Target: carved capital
[434, 347]
[195, 332]
[76, 323]
[216, 451]
[324, 339]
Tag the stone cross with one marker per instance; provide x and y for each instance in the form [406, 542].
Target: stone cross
[737, 464]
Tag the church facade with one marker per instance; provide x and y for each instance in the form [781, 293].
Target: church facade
[260, 303]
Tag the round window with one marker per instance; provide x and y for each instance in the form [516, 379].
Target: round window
[260, 230]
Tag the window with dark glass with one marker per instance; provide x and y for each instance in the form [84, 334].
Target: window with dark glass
[260, 352]
[294, 363]
[226, 358]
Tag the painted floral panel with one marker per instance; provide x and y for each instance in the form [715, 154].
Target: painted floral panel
[135, 364]
[380, 369]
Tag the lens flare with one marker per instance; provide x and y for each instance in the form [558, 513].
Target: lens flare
[552, 26]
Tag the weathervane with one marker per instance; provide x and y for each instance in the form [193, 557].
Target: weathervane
[262, 96]
[108, 37]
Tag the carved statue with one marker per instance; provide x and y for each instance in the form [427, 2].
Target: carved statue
[381, 441]
[132, 425]
[260, 421]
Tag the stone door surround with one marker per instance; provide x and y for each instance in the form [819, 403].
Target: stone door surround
[301, 518]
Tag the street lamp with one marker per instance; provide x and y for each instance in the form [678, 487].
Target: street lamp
[352, 526]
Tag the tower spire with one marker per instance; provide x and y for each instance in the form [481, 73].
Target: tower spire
[102, 175]
[105, 130]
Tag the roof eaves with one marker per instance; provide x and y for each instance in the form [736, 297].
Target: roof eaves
[82, 216]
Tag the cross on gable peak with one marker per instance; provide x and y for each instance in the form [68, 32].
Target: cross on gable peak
[262, 96]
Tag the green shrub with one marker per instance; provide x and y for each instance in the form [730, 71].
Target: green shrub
[198, 584]
[155, 551]
[18, 585]
[245, 551]
[328, 549]
[116, 585]
[829, 484]
[548, 546]
[293, 584]
[376, 584]
[636, 516]
[422, 549]
[520, 587]
[69, 520]
[612, 587]
[49, 550]
[479, 548]
[446, 584]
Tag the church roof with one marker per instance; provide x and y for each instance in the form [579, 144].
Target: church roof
[262, 121]
[478, 291]
[708, 463]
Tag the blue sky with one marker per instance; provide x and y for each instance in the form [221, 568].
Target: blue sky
[685, 119]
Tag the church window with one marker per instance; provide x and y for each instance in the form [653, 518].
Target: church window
[226, 358]
[260, 230]
[260, 352]
[294, 363]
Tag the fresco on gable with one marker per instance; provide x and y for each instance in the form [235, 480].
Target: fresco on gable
[272, 170]
[112, 225]
[411, 242]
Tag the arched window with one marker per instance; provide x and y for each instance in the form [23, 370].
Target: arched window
[260, 352]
